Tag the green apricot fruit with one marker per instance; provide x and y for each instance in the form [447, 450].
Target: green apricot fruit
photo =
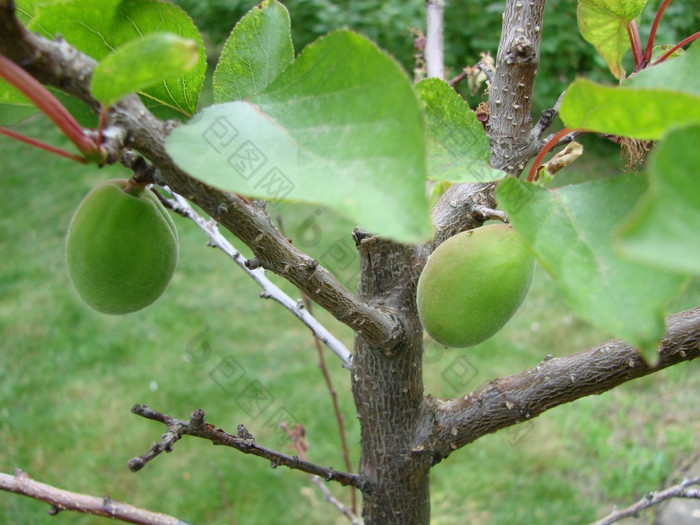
[121, 248]
[472, 285]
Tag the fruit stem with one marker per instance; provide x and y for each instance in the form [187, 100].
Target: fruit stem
[48, 104]
[652, 35]
[675, 48]
[134, 186]
[41, 145]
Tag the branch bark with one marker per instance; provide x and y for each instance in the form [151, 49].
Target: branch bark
[60, 499]
[243, 442]
[555, 381]
[510, 97]
[58, 64]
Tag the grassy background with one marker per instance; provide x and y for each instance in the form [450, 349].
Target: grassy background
[68, 377]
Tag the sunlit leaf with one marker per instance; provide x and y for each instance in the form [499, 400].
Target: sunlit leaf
[644, 113]
[458, 147]
[341, 127]
[99, 28]
[603, 23]
[259, 48]
[141, 63]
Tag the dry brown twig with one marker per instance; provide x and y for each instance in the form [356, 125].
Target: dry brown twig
[243, 442]
[298, 437]
[60, 500]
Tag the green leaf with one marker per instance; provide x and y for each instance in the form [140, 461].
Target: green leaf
[643, 114]
[99, 28]
[603, 23]
[677, 74]
[26, 9]
[339, 127]
[149, 60]
[12, 114]
[663, 229]
[458, 147]
[259, 48]
[568, 229]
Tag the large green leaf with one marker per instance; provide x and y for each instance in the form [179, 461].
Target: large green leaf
[664, 229]
[603, 23]
[458, 147]
[568, 229]
[259, 48]
[341, 126]
[644, 113]
[99, 28]
[148, 60]
[677, 74]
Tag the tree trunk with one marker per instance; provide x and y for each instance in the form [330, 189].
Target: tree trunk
[388, 389]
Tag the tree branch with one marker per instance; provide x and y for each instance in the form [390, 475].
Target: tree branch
[555, 381]
[58, 64]
[680, 490]
[60, 500]
[243, 442]
[271, 290]
[510, 97]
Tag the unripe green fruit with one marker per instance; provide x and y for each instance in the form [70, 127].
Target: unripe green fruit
[121, 249]
[472, 285]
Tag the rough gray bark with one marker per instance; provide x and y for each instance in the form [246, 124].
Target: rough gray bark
[388, 391]
[513, 142]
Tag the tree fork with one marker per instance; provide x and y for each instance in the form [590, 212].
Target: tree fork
[388, 390]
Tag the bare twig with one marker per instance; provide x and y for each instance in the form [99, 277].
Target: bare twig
[434, 44]
[680, 490]
[485, 66]
[60, 499]
[340, 420]
[297, 435]
[271, 291]
[222, 490]
[243, 442]
[547, 117]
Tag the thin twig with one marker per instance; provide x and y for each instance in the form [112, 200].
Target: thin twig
[297, 435]
[60, 499]
[243, 442]
[222, 491]
[270, 290]
[654, 498]
[336, 407]
[547, 117]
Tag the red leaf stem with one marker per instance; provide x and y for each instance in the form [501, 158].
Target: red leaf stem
[41, 145]
[675, 48]
[44, 100]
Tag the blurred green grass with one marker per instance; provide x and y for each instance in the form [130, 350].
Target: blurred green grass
[68, 377]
